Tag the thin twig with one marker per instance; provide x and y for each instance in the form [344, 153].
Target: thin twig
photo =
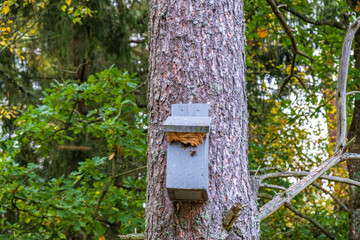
[106, 188]
[336, 199]
[294, 47]
[264, 185]
[130, 171]
[321, 22]
[287, 29]
[302, 215]
[261, 178]
[353, 92]
[290, 193]
[133, 236]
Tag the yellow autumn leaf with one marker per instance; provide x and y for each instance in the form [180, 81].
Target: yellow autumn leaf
[102, 237]
[357, 8]
[262, 32]
[22, 57]
[68, 2]
[6, 9]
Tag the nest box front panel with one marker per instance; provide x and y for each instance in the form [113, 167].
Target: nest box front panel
[187, 154]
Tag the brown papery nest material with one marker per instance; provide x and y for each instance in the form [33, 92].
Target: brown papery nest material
[187, 138]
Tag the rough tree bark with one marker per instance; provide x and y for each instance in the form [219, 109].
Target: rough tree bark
[197, 56]
[354, 165]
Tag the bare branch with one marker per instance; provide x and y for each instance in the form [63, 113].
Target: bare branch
[304, 174]
[296, 188]
[232, 215]
[336, 199]
[302, 215]
[133, 236]
[287, 29]
[321, 22]
[265, 169]
[301, 82]
[341, 83]
[75, 148]
[353, 92]
[290, 34]
[332, 195]
[130, 171]
[264, 185]
[351, 156]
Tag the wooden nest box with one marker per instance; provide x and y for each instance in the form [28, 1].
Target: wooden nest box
[187, 174]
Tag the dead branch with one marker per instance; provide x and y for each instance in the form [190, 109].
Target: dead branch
[341, 83]
[130, 171]
[261, 178]
[351, 156]
[321, 22]
[353, 92]
[315, 185]
[264, 185]
[75, 148]
[265, 169]
[133, 236]
[336, 199]
[232, 215]
[302, 215]
[290, 193]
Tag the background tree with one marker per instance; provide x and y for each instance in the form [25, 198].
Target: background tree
[63, 143]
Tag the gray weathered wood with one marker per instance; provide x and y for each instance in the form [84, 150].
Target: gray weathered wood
[341, 83]
[187, 124]
[187, 177]
[190, 109]
[286, 196]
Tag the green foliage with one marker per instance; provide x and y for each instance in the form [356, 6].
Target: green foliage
[88, 200]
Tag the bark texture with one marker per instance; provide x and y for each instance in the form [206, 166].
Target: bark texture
[354, 165]
[197, 56]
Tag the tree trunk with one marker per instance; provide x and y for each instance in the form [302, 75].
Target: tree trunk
[197, 56]
[354, 165]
